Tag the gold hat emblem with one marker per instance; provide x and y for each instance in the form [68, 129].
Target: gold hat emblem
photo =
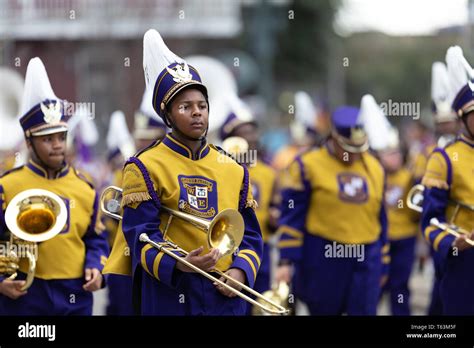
[52, 112]
[180, 73]
[357, 134]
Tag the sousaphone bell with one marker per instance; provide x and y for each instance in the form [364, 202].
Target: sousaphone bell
[32, 216]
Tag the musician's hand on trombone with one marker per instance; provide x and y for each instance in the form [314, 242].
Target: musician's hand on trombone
[234, 273]
[205, 262]
[460, 242]
[12, 288]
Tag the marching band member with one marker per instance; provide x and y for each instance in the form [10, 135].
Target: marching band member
[447, 126]
[333, 222]
[449, 194]
[262, 177]
[402, 222]
[183, 172]
[69, 265]
[120, 147]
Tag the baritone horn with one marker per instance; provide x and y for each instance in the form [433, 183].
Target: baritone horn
[32, 216]
[415, 202]
[224, 232]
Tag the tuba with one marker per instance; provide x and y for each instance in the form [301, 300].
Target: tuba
[32, 216]
[415, 202]
[225, 232]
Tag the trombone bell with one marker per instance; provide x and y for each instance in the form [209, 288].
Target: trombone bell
[226, 231]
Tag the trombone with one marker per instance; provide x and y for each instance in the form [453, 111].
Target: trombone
[32, 216]
[415, 202]
[225, 232]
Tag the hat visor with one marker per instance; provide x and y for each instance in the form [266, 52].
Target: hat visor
[467, 108]
[48, 131]
[351, 147]
[445, 117]
[190, 84]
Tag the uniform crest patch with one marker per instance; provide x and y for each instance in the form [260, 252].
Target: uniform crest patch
[198, 196]
[352, 188]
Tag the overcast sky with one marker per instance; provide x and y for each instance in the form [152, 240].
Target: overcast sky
[400, 17]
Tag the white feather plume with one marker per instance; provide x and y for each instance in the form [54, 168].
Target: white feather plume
[146, 106]
[221, 88]
[11, 93]
[82, 125]
[89, 132]
[118, 135]
[306, 112]
[375, 123]
[439, 83]
[73, 128]
[240, 108]
[156, 56]
[37, 86]
[459, 70]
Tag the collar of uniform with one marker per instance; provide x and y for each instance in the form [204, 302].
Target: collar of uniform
[37, 169]
[331, 151]
[177, 146]
[466, 140]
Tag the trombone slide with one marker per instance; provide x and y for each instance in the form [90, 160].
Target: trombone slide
[455, 232]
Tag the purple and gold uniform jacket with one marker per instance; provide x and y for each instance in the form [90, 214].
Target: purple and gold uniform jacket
[167, 174]
[80, 244]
